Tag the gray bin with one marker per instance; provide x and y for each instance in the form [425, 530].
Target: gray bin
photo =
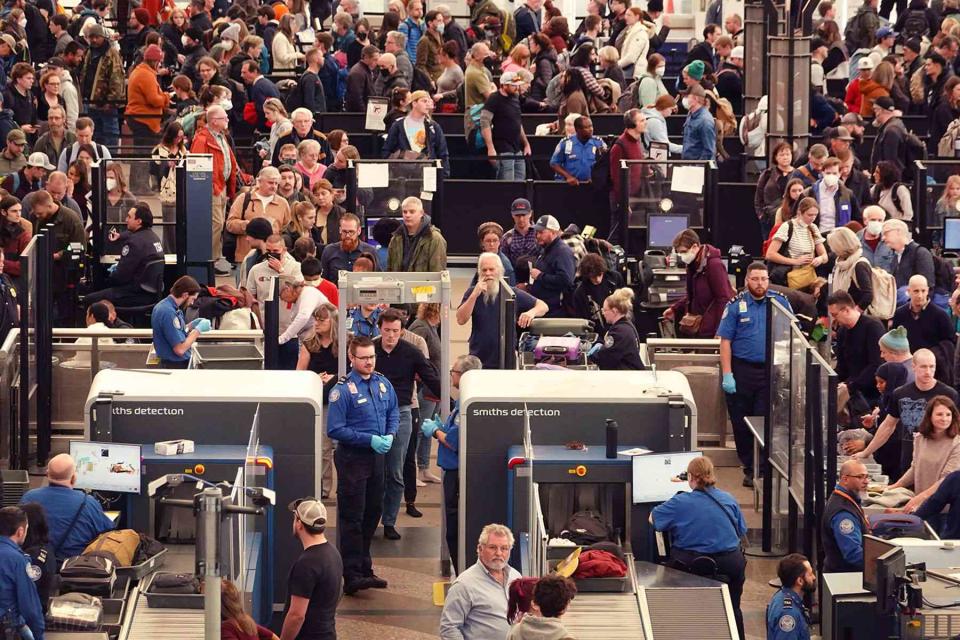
[227, 356]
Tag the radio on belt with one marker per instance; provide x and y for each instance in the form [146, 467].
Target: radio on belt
[379, 292]
[173, 447]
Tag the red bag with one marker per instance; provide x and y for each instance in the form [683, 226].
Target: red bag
[250, 113]
[599, 564]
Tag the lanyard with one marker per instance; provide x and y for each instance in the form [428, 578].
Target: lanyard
[859, 509]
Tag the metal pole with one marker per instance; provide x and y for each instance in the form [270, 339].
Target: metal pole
[342, 325]
[211, 506]
[625, 207]
[766, 543]
[44, 341]
[444, 344]
[271, 329]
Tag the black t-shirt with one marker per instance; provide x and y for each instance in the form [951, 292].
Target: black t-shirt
[317, 575]
[506, 122]
[908, 404]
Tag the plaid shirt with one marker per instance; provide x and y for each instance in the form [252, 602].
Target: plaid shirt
[515, 246]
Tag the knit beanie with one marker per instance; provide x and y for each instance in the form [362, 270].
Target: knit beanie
[896, 340]
[696, 70]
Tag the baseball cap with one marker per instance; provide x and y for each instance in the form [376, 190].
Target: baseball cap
[547, 222]
[521, 207]
[913, 44]
[310, 511]
[9, 40]
[38, 159]
[737, 52]
[885, 103]
[843, 134]
[865, 63]
[513, 77]
[17, 135]
[885, 32]
[416, 95]
[259, 229]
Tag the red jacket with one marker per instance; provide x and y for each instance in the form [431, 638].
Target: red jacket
[708, 290]
[625, 148]
[12, 249]
[204, 142]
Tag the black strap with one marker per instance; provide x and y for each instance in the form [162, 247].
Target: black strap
[73, 521]
[733, 523]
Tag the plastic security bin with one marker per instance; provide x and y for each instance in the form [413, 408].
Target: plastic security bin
[227, 356]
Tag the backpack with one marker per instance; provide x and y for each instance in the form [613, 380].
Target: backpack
[600, 173]
[858, 34]
[77, 23]
[586, 528]
[628, 99]
[473, 117]
[896, 525]
[915, 25]
[914, 150]
[421, 81]
[884, 286]
[946, 148]
[943, 274]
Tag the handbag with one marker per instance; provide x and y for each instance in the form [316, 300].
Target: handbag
[168, 189]
[690, 325]
[801, 277]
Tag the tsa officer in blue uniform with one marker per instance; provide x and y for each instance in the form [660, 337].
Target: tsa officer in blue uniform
[363, 419]
[620, 348]
[743, 354]
[706, 522]
[173, 338]
[786, 615]
[844, 522]
[20, 610]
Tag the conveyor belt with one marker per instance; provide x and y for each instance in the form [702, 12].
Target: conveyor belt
[144, 623]
[612, 616]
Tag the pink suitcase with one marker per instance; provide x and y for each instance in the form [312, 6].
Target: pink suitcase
[567, 347]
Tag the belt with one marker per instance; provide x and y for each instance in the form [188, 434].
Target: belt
[747, 363]
[714, 554]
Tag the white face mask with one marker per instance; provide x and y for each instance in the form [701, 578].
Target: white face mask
[686, 103]
[22, 22]
[111, 184]
[660, 71]
[874, 227]
[688, 257]
[185, 40]
[831, 180]
[227, 105]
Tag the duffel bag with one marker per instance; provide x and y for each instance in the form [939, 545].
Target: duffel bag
[93, 575]
[896, 525]
[120, 546]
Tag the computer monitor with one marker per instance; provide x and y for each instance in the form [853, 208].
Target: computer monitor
[662, 229]
[891, 568]
[654, 475]
[873, 548]
[107, 466]
[951, 234]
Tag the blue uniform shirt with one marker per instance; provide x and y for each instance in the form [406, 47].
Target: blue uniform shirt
[577, 158]
[448, 457]
[359, 409]
[61, 504]
[848, 532]
[169, 329]
[360, 326]
[697, 523]
[744, 324]
[18, 594]
[786, 619]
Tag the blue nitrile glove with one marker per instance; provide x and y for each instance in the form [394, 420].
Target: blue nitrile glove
[593, 350]
[201, 324]
[381, 444]
[729, 384]
[430, 427]
[112, 268]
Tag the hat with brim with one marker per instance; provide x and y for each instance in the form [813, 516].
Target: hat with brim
[548, 223]
[38, 159]
[96, 31]
[310, 511]
[885, 103]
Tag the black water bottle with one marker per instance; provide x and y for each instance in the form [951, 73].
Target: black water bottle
[611, 439]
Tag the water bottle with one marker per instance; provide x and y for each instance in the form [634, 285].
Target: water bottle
[611, 439]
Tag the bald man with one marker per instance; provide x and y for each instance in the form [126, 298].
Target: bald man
[906, 407]
[928, 326]
[74, 518]
[844, 522]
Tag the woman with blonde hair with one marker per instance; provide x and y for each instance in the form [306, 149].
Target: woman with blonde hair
[518, 60]
[236, 624]
[318, 353]
[280, 124]
[620, 348]
[948, 206]
[303, 224]
[797, 246]
[852, 271]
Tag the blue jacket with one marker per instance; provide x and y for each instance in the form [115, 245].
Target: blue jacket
[329, 74]
[436, 144]
[559, 269]
[169, 330]
[18, 594]
[699, 136]
[846, 206]
[786, 619]
[360, 409]
[258, 92]
[413, 31]
[61, 504]
[448, 456]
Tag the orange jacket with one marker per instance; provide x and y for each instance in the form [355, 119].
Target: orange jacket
[204, 142]
[144, 97]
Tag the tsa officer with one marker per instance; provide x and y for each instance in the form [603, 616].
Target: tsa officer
[844, 522]
[21, 614]
[743, 354]
[786, 615]
[706, 521]
[620, 348]
[141, 247]
[363, 418]
[173, 338]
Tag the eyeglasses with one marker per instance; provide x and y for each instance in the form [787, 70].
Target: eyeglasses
[348, 232]
[496, 547]
[859, 476]
[456, 371]
[365, 358]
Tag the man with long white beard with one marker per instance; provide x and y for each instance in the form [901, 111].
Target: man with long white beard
[482, 305]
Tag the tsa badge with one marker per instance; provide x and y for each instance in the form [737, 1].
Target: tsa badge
[334, 395]
[34, 572]
[787, 623]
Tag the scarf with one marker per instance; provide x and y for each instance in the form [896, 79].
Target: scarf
[843, 271]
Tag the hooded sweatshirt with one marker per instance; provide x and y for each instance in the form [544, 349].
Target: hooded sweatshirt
[538, 628]
[424, 251]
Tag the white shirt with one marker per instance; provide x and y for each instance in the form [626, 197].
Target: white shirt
[260, 278]
[828, 207]
[296, 320]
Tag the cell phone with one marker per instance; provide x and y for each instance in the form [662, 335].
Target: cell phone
[530, 269]
[268, 255]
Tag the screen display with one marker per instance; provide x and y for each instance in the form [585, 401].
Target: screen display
[951, 234]
[107, 466]
[873, 548]
[661, 230]
[655, 475]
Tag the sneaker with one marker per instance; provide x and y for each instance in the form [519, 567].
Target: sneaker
[222, 267]
[413, 512]
[351, 586]
[374, 582]
[426, 476]
[748, 481]
[390, 533]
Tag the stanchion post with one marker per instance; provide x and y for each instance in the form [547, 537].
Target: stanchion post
[271, 329]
